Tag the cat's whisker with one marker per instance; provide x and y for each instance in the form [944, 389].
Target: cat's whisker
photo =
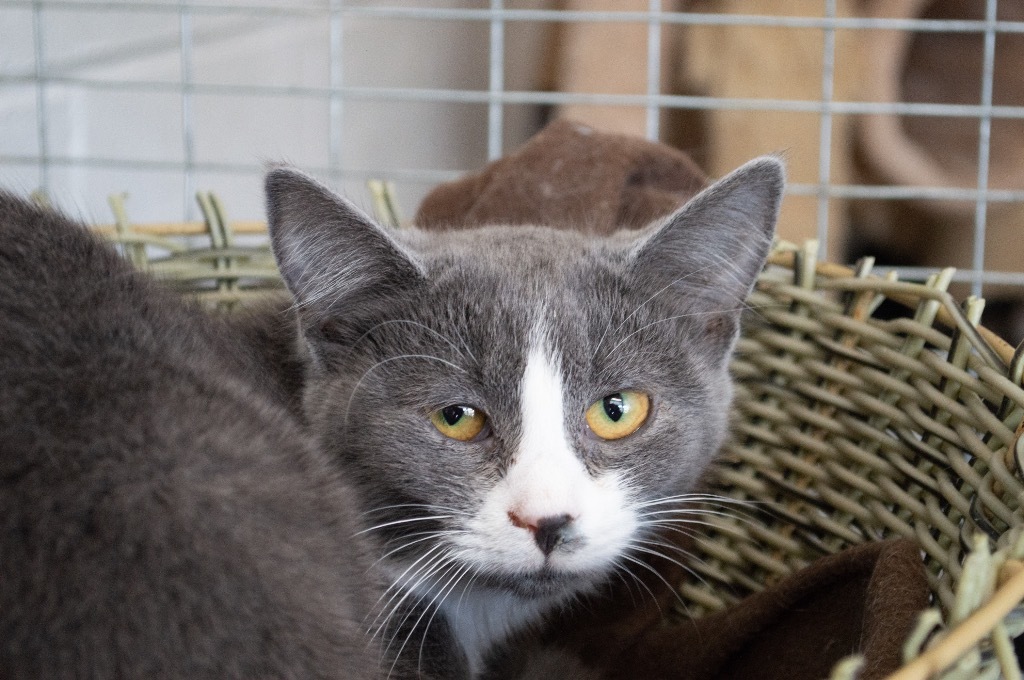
[688, 533]
[637, 544]
[401, 581]
[465, 344]
[620, 569]
[683, 527]
[667, 319]
[683, 513]
[697, 498]
[336, 283]
[729, 268]
[686, 529]
[690, 515]
[437, 334]
[742, 303]
[415, 534]
[629, 316]
[617, 573]
[426, 536]
[444, 561]
[466, 587]
[685, 554]
[445, 591]
[405, 582]
[696, 505]
[428, 357]
[407, 520]
[738, 517]
[693, 509]
[673, 589]
[424, 506]
[641, 563]
[691, 558]
[717, 520]
[475, 574]
[689, 523]
[453, 564]
[657, 553]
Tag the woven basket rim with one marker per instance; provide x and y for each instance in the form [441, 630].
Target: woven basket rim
[994, 350]
[786, 255]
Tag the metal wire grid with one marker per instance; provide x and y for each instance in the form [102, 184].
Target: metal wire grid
[496, 97]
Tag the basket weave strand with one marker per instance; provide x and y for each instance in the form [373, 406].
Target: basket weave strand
[852, 426]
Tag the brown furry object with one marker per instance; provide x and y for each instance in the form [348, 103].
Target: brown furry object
[569, 176]
[863, 600]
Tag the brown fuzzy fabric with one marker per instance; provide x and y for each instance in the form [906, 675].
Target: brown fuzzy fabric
[569, 176]
[863, 600]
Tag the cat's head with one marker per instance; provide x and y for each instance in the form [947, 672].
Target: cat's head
[514, 402]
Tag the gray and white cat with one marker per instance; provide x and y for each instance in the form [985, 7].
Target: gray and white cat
[520, 408]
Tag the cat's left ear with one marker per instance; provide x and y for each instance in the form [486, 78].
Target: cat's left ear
[714, 246]
[331, 255]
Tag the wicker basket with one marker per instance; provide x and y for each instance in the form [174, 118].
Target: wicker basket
[848, 428]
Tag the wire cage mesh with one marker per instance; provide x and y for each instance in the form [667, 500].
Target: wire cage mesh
[161, 98]
[901, 120]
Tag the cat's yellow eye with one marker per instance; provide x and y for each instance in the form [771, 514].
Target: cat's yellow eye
[459, 421]
[618, 415]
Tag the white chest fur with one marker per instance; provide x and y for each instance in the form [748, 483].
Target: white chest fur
[484, 618]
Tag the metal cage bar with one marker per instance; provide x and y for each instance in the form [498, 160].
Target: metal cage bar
[188, 140]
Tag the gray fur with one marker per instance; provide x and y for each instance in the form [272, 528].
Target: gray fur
[398, 323]
[161, 512]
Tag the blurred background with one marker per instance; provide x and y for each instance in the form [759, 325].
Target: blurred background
[902, 120]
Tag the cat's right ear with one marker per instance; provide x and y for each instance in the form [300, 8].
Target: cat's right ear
[331, 255]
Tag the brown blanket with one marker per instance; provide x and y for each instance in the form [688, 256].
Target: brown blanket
[863, 600]
[569, 176]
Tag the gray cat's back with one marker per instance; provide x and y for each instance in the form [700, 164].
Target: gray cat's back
[161, 513]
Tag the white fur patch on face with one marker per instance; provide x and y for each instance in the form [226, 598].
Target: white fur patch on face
[548, 480]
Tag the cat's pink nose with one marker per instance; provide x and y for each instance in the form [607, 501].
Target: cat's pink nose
[548, 532]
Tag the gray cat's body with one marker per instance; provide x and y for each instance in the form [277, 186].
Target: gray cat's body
[161, 513]
[516, 337]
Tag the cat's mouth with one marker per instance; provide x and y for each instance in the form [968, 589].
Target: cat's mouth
[545, 582]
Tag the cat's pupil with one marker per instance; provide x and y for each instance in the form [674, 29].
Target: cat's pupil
[452, 414]
[614, 407]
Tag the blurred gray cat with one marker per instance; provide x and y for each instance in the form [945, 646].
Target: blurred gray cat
[520, 407]
[162, 514]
